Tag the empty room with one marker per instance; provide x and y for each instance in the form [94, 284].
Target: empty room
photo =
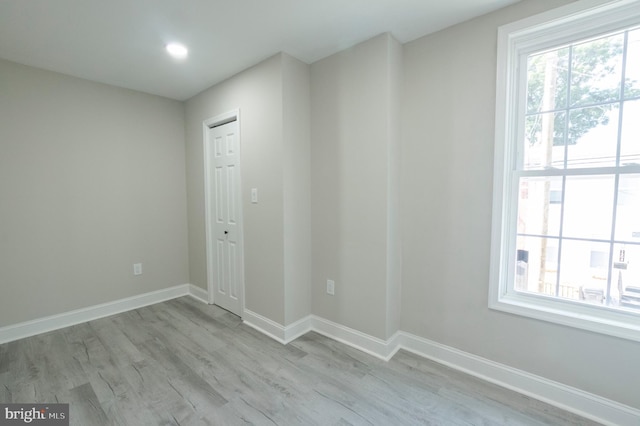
[387, 212]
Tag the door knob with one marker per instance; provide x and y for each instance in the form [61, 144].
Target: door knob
[226, 232]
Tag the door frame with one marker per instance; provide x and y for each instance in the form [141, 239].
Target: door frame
[219, 120]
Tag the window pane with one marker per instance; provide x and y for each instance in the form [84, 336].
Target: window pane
[628, 211]
[596, 70]
[544, 141]
[593, 136]
[584, 269]
[539, 206]
[632, 72]
[630, 147]
[625, 276]
[588, 207]
[536, 265]
[547, 80]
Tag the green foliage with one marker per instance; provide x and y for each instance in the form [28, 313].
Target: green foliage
[594, 79]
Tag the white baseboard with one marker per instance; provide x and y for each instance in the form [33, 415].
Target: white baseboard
[277, 331]
[198, 293]
[297, 329]
[264, 325]
[364, 342]
[568, 398]
[557, 394]
[55, 322]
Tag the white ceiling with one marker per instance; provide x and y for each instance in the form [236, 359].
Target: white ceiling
[121, 42]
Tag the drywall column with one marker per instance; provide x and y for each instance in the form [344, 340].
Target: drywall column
[352, 167]
[394, 230]
[296, 188]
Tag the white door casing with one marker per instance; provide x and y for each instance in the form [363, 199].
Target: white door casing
[223, 205]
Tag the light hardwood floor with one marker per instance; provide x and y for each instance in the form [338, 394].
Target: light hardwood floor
[185, 363]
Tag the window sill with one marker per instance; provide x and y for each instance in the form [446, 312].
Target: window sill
[597, 319]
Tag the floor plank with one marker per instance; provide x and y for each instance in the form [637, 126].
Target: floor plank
[182, 362]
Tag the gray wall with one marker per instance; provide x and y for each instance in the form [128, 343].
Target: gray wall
[447, 172]
[353, 137]
[297, 188]
[257, 92]
[92, 180]
[394, 225]
[274, 132]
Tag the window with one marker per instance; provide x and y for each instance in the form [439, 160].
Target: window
[566, 221]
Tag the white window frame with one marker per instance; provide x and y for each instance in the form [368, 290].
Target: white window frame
[577, 21]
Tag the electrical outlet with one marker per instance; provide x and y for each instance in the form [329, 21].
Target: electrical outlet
[331, 287]
[137, 269]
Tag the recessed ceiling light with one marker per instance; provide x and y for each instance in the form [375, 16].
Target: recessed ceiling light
[177, 50]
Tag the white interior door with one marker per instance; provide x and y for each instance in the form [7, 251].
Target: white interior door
[224, 217]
